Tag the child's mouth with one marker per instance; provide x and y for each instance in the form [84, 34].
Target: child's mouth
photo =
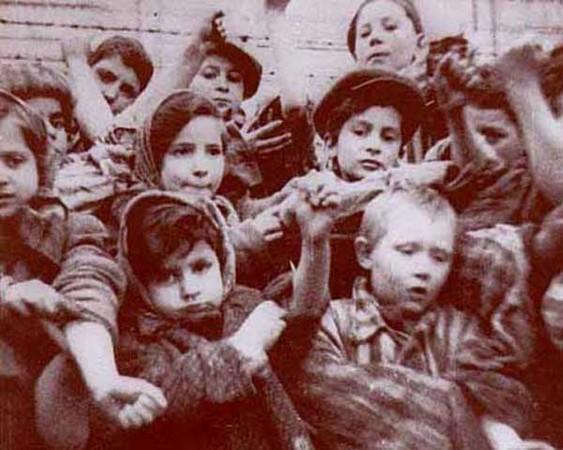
[418, 292]
[371, 165]
[378, 57]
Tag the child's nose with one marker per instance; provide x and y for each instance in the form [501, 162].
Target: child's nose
[222, 84]
[190, 290]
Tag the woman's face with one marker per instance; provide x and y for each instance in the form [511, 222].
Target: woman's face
[385, 36]
[368, 141]
[219, 81]
[195, 161]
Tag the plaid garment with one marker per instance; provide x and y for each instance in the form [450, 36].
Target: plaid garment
[367, 385]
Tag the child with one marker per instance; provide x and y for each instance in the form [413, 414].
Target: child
[386, 34]
[496, 183]
[184, 148]
[204, 339]
[47, 93]
[406, 363]
[54, 268]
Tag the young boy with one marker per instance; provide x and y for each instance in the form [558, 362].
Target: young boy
[54, 269]
[406, 363]
[497, 181]
[208, 343]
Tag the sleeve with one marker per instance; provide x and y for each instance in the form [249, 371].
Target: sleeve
[355, 406]
[89, 277]
[210, 373]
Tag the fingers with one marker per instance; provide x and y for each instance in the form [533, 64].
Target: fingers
[129, 417]
[273, 144]
[265, 129]
[131, 389]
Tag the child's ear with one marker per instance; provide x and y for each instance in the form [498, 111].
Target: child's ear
[421, 41]
[363, 252]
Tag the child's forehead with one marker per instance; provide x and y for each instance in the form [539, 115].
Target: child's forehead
[378, 114]
[189, 251]
[380, 9]
[11, 135]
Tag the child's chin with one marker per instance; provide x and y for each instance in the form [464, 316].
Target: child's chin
[8, 210]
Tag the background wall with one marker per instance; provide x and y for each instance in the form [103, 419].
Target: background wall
[32, 29]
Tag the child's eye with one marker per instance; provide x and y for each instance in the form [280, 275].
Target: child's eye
[106, 76]
[57, 122]
[390, 25]
[406, 249]
[182, 151]
[13, 160]
[440, 256]
[201, 266]
[360, 130]
[128, 90]
[492, 135]
[365, 32]
[210, 73]
[234, 76]
[214, 150]
[390, 136]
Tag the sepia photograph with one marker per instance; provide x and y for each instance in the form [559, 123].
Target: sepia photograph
[281, 224]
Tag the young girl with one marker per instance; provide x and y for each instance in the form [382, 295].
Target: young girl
[57, 283]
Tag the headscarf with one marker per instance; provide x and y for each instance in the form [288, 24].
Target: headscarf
[133, 218]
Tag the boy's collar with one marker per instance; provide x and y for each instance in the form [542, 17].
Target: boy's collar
[369, 318]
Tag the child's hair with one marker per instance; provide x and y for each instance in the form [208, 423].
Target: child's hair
[351, 107]
[172, 115]
[407, 5]
[32, 129]
[164, 228]
[131, 52]
[552, 77]
[32, 80]
[374, 224]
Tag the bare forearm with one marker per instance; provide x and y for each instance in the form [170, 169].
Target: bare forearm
[310, 290]
[91, 346]
[175, 76]
[543, 136]
[289, 68]
[90, 108]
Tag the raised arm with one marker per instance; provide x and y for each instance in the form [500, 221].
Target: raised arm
[289, 69]
[541, 130]
[91, 110]
[177, 75]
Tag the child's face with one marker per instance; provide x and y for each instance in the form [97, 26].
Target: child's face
[497, 137]
[51, 111]
[369, 141]
[195, 161]
[385, 36]
[410, 263]
[219, 80]
[117, 82]
[189, 283]
[19, 178]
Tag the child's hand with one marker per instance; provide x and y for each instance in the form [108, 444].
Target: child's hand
[320, 204]
[260, 140]
[78, 48]
[33, 297]
[453, 73]
[208, 33]
[131, 402]
[269, 225]
[259, 332]
[520, 64]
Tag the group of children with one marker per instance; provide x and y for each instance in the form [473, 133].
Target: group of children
[178, 274]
